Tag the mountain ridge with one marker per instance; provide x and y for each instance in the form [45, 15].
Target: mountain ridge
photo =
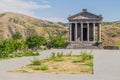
[14, 22]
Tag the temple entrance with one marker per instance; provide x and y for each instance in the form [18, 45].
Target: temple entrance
[85, 30]
[84, 34]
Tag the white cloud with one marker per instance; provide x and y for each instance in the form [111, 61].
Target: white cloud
[27, 7]
[21, 6]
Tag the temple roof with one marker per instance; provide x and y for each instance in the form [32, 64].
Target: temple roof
[85, 15]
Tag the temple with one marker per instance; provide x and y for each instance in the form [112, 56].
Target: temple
[85, 30]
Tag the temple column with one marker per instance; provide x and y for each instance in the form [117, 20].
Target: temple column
[93, 31]
[70, 34]
[76, 32]
[81, 31]
[88, 35]
[99, 32]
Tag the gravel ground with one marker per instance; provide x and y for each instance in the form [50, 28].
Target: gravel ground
[106, 67]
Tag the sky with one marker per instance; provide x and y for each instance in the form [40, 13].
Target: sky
[59, 10]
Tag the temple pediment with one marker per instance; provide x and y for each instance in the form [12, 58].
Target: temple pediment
[85, 15]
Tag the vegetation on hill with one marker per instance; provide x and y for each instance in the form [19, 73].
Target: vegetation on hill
[110, 33]
[10, 23]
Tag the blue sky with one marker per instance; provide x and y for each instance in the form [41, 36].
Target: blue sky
[59, 10]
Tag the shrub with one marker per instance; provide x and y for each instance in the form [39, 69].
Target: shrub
[86, 56]
[36, 61]
[57, 42]
[6, 48]
[17, 35]
[35, 41]
[30, 53]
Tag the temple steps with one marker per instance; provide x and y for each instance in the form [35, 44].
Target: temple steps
[83, 45]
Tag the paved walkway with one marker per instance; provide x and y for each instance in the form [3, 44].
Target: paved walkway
[106, 67]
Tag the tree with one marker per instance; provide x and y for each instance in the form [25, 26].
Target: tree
[35, 41]
[57, 42]
[17, 35]
[11, 45]
[19, 45]
[6, 47]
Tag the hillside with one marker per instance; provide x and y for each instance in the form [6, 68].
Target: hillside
[14, 22]
[110, 33]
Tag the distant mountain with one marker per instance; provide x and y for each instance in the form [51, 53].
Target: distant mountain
[13, 22]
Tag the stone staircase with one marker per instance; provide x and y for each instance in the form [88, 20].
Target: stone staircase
[83, 45]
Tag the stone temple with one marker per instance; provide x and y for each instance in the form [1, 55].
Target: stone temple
[85, 30]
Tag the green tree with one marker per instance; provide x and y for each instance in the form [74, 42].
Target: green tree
[17, 35]
[11, 45]
[6, 47]
[19, 45]
[35, 41]
[57, 42]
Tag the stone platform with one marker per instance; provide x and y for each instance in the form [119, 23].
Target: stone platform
[84, 45]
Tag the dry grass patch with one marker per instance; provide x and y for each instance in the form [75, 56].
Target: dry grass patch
[62, 64]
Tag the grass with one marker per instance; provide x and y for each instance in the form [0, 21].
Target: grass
[77, 61]
[58, 63]
[41, 67]
[56, 57]
[26, 53]
[36, 61]
[118, 44]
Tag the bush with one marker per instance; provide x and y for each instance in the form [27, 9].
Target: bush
[57, 42]
[35, 41]
[17, 35]
[6, 48]
[86, 56]
[30, 53]
[36, 61]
